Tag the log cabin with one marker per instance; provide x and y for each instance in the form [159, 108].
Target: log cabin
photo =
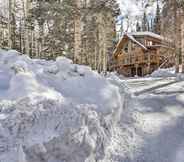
[140, 53]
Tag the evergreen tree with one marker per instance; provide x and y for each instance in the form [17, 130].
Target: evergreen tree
[56, 27]
[138, 27]
[81, 30]
[157, 20]
[144, 22]
[151, 24]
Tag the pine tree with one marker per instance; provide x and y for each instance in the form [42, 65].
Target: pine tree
[171, 16]
[138, 27]
[157, 20]
[152, 24]
[149, 26]
[144, 22]
[82, 31]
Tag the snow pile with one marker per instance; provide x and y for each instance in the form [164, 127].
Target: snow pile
[170, 72]
[54, 111]
[180, 77]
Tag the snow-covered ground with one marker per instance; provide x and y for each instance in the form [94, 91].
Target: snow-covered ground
[56, 111]
[156, 131]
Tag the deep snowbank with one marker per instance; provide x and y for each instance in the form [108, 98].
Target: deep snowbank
[54, 111]
[169, 72]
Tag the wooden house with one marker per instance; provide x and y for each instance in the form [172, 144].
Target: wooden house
[140, 53]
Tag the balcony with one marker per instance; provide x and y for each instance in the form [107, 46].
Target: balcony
[127, 60]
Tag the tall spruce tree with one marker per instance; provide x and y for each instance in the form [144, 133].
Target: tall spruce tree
[171, 14]
[144, 22]
[138, 27]
[157, 20]
[152, 25]
[77, 29]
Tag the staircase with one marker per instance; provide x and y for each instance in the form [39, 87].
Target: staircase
[167, 62]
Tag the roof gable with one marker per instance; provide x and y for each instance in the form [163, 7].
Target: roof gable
[132, 36]
[123, 40]
[135, 41]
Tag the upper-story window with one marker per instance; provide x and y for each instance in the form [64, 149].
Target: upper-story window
[149, 43]
[126, 48]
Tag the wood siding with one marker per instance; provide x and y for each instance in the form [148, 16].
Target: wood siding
[135, 60]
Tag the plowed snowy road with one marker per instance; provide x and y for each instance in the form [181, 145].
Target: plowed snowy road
[156, 131]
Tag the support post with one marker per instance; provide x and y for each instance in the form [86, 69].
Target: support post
[149, 63]
[136, 69]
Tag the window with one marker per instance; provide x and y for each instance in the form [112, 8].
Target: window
[126, 48]
[149, 43]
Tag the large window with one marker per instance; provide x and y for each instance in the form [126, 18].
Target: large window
[149, 43]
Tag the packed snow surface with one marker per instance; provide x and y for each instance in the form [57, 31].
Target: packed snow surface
[155, 132]
[54, 111]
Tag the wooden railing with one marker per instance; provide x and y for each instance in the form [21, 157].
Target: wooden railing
[135, 59]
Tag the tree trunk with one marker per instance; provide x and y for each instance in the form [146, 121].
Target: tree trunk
[20, 36]
[77, 36]
[27, 48]
[9, 23]
[182, 45]
[175, 37]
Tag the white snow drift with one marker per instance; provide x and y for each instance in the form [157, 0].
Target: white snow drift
[169, 72]
[54, 111]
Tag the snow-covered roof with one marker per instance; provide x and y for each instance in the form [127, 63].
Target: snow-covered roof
[161, 45]
[119, 45]
[132, 37]
[147, 33]
[134, 40]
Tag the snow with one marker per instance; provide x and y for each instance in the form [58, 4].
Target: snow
[134, 40]
[152, 129]
[180, 77]
[54, 111]
[133, 34]
[148, 34]
[170, 72]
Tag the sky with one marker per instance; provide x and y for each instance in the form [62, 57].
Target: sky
[129, 5]
[132, 11]
[134, 7]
